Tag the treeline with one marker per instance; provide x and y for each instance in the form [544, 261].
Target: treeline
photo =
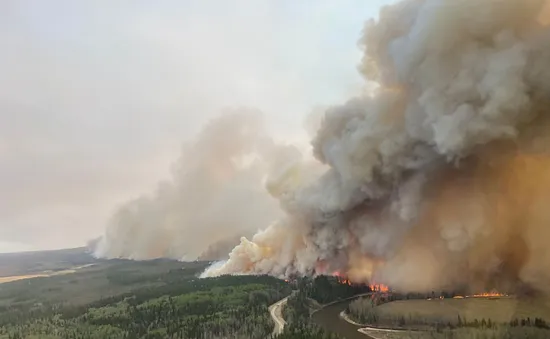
[326, 289]
[500, 332]
[483, 323]
[320, 290]
[224, 307]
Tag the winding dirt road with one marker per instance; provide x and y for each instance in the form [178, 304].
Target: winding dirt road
[276, 311]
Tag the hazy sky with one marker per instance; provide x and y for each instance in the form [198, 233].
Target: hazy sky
[97, 97]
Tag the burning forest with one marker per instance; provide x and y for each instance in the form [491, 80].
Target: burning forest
[436, 177]
[373, 286]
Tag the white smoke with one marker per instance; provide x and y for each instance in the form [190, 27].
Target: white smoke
[202, 207]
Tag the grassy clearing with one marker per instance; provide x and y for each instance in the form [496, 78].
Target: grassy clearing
[499, 310]
[503, 332]
[43, 262]
[19, 277]
[43, 275]
[505, 317]
[380, 334]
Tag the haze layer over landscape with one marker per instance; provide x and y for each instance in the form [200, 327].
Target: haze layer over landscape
[97, 99]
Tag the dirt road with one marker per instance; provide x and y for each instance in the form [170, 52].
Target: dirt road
[276, 311]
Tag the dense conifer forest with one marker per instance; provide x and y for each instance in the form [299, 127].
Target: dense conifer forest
[159, 299]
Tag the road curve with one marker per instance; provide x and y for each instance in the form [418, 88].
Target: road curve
[367, 330]
[276, 311]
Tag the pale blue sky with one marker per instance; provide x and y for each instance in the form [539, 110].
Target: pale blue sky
[96, 97]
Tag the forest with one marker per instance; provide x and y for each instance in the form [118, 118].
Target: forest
[150, 300]
[123, 299]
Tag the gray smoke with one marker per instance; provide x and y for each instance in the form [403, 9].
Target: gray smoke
[438, 176]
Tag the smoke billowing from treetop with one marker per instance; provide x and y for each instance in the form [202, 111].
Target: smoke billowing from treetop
[438, 178]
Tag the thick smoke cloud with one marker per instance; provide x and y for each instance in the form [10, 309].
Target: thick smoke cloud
[439, 177]
[216, 195]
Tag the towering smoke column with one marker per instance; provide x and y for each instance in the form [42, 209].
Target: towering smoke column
[441, 176]
[216, 195]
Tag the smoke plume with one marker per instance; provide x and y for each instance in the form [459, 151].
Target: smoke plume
[216, 195]
[439, 177]
[436, 178]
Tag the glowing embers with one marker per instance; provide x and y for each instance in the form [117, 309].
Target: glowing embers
[492, 294]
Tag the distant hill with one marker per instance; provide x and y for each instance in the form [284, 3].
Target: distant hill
[39, 261]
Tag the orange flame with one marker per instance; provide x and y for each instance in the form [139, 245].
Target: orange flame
[379, 288]
[375, 287]
[345, 282]
[491, 294]
[488, 294]
[341, 279]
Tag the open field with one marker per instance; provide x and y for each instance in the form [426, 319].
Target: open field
[501, 317]
[384, 334]
[499, 310]
[43, 262]
[460, 333]
[43, 274]
[20, 277]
